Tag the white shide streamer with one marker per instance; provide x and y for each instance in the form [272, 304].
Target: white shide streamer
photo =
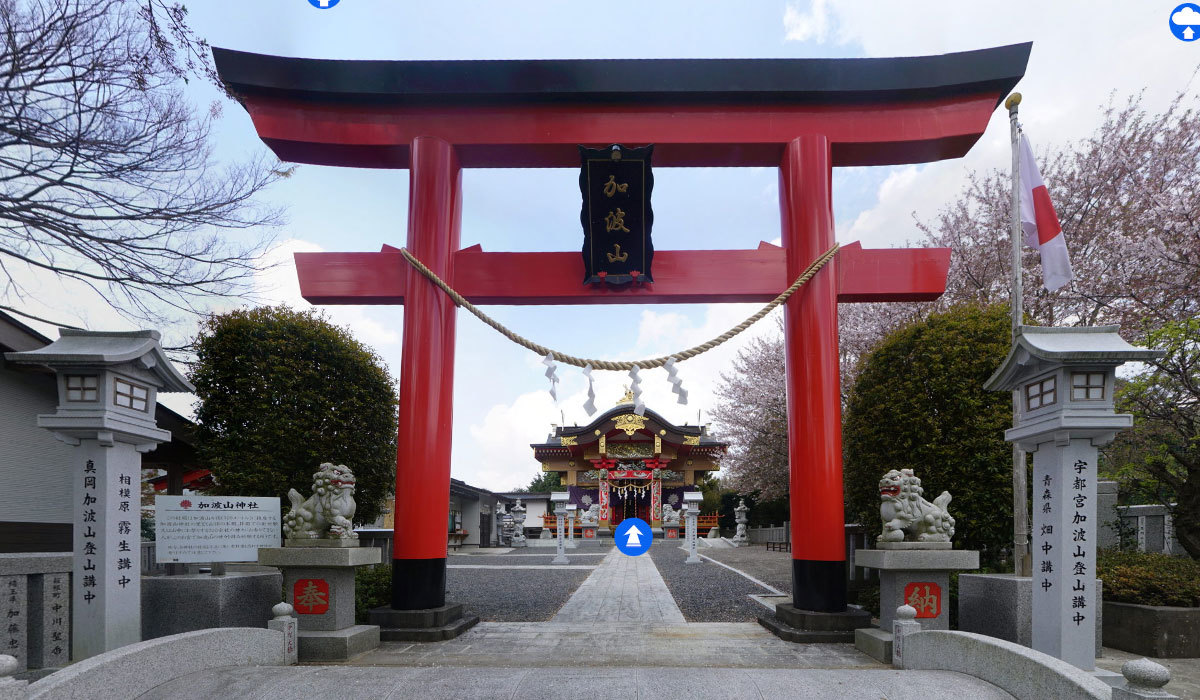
[635, 387]
[590, 404]
[676, 382]
[552, 375]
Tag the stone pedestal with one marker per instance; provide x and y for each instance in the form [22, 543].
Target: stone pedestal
[319, 584]
[670, 532]
[714, 533]
[916, 577]
[589, 532]
[1001, 606]
[175, 604]
[806, 626]
[430, 625]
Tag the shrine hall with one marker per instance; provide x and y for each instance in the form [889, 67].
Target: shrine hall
[629, 465]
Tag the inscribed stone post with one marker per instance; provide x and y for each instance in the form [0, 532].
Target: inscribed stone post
[50, 636]
[16, 619]
[1064, 527]
[107, 596]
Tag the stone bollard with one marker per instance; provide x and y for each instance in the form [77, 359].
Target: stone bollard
[11, 688]
[1143, 679]
[286, 622]
[904, 624]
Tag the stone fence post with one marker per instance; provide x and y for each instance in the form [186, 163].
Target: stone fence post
[286, 622]
[904, 624]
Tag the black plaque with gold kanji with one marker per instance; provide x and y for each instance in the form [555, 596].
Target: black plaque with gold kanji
[616, 216]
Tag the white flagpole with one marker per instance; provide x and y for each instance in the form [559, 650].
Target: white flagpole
[1022, 561]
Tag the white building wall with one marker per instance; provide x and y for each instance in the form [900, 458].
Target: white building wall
[34, 467]
[470, 511]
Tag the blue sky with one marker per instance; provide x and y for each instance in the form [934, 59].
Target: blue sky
[1082, 53]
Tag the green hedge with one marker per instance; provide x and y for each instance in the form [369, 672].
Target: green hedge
[1149, 579]
[372, 589]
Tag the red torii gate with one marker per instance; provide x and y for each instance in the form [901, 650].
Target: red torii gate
[804, 116]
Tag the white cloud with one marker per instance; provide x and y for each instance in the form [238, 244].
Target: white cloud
[804, 26]
[1187, 15]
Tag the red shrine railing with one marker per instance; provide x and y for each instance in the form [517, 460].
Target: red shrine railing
[703, 522]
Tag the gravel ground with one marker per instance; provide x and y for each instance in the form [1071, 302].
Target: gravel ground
[706, 592]
[511, 595]
[774, 568]
[586, 559]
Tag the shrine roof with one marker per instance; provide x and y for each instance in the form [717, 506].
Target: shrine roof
[627, 81]
[587, 434]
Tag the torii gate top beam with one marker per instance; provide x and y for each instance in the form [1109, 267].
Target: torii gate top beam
[697, 112]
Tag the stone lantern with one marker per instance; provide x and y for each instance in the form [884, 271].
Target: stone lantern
[1065, 379]
[108, 385]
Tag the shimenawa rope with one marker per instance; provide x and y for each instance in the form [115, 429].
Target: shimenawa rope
[621, 366]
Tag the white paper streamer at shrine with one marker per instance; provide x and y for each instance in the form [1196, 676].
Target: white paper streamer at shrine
[590, 404]
[676, 382]
[552, 375]
[635, 387]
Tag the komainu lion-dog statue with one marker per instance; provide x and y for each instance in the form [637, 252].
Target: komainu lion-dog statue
[904, 511]
[329, 511]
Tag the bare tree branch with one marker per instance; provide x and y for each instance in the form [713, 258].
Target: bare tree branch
[107, 175]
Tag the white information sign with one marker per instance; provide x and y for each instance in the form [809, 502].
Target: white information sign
[214, 528]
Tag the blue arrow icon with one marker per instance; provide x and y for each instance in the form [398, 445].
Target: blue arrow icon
[633, 537]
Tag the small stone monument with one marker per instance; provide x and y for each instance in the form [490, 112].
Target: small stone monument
[285, 622]
[739, 538]
[1065, 379]
[670, 522]
[691, 505]
[559, 499]
[318, 559]
[518, 521]
[905, 623]
[914, 556]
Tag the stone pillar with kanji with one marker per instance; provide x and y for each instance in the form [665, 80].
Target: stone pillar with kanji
[1065, 378]
[108, 384]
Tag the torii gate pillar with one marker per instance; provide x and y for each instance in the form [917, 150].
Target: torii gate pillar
[813, 383]
[426, 381]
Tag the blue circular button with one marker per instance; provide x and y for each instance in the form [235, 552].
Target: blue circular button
[1184, 22]
[633, 536]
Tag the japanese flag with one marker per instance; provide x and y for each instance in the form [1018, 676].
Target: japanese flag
[1040, 223]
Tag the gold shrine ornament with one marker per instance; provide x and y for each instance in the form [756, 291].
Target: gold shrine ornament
[566, 441]
[630, 423]
[691, 440]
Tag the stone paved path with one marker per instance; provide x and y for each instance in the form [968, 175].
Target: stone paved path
[596, 683]
[622, 589]
[593, 644]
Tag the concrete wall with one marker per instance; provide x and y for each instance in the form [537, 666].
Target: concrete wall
[35, 466]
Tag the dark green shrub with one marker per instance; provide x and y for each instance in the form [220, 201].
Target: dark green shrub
[1149, 579]
[372, 589]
